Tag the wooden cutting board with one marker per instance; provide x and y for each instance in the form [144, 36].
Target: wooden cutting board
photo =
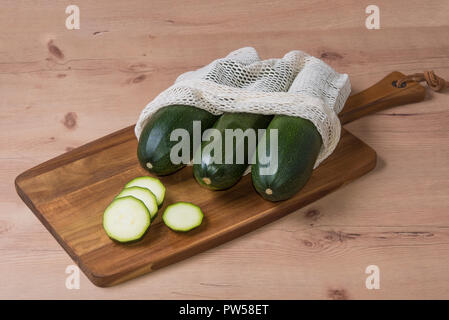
[69, 194]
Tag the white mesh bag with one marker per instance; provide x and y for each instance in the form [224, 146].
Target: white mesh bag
[295, 85]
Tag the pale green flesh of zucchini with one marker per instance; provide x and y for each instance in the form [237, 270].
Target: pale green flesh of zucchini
[182, 216]
[152, 184]
[144, 195]
[126, 219]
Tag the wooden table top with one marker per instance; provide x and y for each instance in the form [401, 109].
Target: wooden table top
[62, 88]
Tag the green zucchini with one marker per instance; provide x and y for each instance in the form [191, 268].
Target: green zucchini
[126, 219]
[182, 216]
[152, 184]
[144, 195]
[299, 144]
[223, 175]
[155, 146]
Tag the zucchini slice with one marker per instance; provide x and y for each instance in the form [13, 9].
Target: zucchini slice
[126, 219]
[182, 216]
[152, 184]
[144, 195]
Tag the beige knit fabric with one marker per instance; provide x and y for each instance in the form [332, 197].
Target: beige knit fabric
[295, 85]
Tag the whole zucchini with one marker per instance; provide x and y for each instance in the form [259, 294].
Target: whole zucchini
[155, 146]
[299, 144]
[223, 175]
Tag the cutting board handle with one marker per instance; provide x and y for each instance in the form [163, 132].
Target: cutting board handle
[382, 95]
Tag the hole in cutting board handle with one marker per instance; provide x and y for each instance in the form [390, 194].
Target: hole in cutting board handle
[395, 82]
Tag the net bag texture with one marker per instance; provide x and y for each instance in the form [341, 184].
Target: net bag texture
[296, 85]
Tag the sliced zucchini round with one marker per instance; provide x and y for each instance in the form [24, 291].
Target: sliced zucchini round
[126, 219]
[152, 184]
[182, 216]
[144, 195]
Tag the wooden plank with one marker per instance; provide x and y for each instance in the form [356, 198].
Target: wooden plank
[68, 194]
[406, 192]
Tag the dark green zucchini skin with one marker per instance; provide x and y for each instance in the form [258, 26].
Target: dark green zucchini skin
[222, 176]
[154, 146]
[299, 144]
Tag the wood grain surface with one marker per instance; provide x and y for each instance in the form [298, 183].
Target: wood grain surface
[60, 89]
[69, 193]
